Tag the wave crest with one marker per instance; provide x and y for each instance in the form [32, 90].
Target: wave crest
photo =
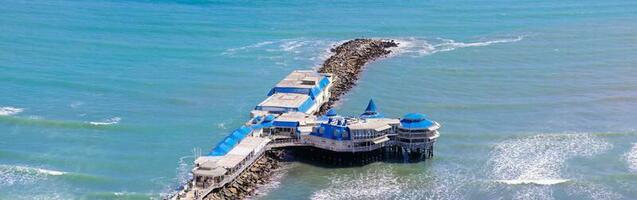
[417, 47]
[22, 175]
[539, 160]
[534, 182]
[8, 111]
[110, 121]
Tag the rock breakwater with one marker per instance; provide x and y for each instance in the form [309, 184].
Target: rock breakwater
[244, 185]
[347, 63]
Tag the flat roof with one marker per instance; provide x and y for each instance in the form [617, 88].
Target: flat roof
[205, 159]
[210, 172]
[300, 78]
[248, 145]
[300, 117]
[377, 124]
[230, 160]
[285, 100]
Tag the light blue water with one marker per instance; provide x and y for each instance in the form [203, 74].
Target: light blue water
[108, 99]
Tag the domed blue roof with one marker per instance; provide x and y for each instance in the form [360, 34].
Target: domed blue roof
[415, 121]
[415, 117]
[331, 113]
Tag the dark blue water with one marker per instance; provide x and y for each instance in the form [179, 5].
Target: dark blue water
[111, 99]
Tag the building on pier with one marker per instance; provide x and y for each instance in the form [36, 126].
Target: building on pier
[301, 91]
[286, 118]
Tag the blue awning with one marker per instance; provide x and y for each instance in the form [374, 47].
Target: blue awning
[293, 124]
[230, 141]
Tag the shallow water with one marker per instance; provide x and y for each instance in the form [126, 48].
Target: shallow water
[112, 99]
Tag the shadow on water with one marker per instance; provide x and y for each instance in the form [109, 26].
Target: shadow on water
[330, 159]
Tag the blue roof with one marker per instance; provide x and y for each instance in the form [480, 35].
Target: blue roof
[371, 106]
[415, 121]
[370, 111]
[312, 92]
[306, 105]
[286, 124]
[230, 141]
[268, 118]
[331, 113]
[415, 117]
[335, 132]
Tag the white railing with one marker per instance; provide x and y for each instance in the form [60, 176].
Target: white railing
[232, 176]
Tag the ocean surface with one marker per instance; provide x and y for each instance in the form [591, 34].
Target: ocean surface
[112, 99]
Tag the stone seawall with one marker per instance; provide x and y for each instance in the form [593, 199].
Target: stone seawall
[347, 63]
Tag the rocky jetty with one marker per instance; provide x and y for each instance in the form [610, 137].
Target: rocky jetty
[345, 64]
[348, 61]
[244, 185]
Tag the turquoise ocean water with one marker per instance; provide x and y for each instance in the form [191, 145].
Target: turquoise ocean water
[111, 99]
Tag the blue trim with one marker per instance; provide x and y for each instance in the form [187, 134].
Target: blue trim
[293, 124]
[306, 105]
[312, 92]
[334, 132]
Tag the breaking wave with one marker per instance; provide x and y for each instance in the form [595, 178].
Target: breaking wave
[285, 51]
[8, 111]
[19, 175]
[539, 160]
[417, 47]
[631, 158]
[535, 182]
[110, 121]
[182, 175]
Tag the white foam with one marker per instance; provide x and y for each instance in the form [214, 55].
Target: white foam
[273, 183]
[252, 46]
[631, 158]
[540, 159]
[417, 47]
[588, 190]
[8, 111]
[39, 171]
[221, 125]
[110, 121]
[23, 175]
[292, 46]
[535, 182]
[76, 104]
[285, 51]
[373, 184]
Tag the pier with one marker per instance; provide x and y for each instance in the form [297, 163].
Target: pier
[297, 117]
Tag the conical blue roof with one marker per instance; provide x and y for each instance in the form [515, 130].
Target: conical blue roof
[370, 111]
[371, 107]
